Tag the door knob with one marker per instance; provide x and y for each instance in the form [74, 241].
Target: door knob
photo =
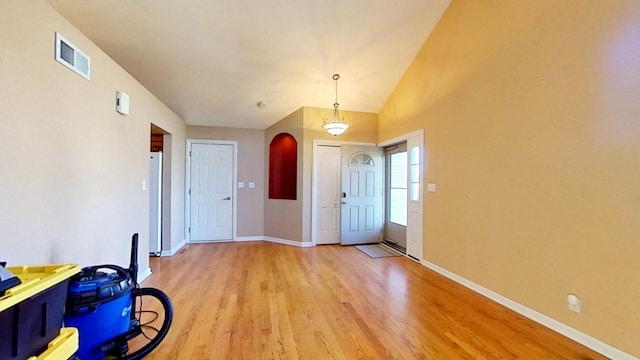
[227, 198]
[344, 202]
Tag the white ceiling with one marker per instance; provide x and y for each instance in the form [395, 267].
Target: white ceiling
[212, 61]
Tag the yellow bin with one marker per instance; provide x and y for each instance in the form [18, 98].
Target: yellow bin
[34, 280]
[62, 347]
[32, 312]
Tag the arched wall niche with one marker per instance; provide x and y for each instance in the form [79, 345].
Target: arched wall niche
[283, 167]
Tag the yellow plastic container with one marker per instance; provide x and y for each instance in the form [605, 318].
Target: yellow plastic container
[62, 347]
[34, 280]
[31, 313]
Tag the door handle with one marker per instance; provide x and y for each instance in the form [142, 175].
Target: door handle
[344, 203]
[227, 198]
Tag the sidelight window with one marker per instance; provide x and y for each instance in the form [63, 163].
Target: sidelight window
[398, 188]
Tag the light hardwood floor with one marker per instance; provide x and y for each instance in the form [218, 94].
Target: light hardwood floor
[258, 300]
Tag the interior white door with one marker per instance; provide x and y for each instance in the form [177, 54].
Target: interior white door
[415, 150]
[155, 203]
[362, 195]
[211, 189]
[328, 195]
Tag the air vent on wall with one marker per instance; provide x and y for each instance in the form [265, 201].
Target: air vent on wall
[70, 56]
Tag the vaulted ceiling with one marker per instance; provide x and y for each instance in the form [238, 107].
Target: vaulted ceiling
[212, 61]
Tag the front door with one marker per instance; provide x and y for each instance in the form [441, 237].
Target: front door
[211, 191]
[362, 195]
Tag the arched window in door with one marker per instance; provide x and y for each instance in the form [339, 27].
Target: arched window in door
[283, 167]
[360, 159]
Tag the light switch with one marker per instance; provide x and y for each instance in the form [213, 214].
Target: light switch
[252, 185]
[144, 185]
[431, 187]
[240, 184]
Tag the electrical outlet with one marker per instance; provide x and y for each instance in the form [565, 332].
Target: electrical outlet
[574, 302]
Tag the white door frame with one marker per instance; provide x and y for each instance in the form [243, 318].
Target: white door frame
[415, 228]
[155, 203]
[314, 180]
[234, 196]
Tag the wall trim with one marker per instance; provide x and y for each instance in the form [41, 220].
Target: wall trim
[262, 238]
[249, 238]
[402, 138]
[573, 334]
[144, 275]
[241, 239]
[273, 240]
[287, 242]
[209, 241]
[174, 250]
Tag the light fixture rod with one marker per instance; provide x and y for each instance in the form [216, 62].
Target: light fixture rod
[336, 77]
[336, 126]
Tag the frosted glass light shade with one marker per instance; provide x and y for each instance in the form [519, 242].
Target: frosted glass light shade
[335, 128]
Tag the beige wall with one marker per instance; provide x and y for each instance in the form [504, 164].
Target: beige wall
[250, 169]
[72, 168]
[283, 218]
[530, 111]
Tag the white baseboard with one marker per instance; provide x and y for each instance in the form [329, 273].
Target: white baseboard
[209, 241]
[174, 250]
[249, 238]
[263, 238]
[576, 335]
[287, 242]
[273, 240]
[142, 276]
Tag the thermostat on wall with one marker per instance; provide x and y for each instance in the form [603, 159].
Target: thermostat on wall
[122, 103]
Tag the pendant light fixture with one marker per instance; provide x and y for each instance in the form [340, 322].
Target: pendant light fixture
[336, 126]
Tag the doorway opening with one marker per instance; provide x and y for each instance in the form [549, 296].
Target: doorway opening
[159, 191]
[396, 196]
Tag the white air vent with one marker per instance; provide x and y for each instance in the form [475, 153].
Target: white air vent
[70, 56]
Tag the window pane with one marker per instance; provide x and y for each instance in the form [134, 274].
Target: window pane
[399, 170]
[398, 206]
[415, 173]
[360, 158]
[415, 155]
[415, 191]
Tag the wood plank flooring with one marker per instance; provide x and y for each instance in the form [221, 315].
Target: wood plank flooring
[259, 300]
